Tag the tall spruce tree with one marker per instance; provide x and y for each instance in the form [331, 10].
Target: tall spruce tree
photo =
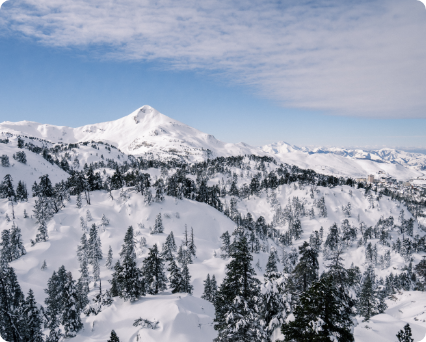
[175, 278]
[207, 289]
[153, 271]
[16, 244]
[273, 307]
[237, 313]
[12, 324]
[33, 320]
[71, 309]
[191, 244]
[321, 316]
[109, 259]
[127, 281]
[368, 301]
[306, 271]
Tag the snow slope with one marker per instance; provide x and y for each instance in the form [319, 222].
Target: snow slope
[187, 318]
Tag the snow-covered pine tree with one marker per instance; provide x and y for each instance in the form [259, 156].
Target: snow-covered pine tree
[405, 335]
[44, 265]
[296, 229]
[127, 281]
[186, 279]
[17, 247]
[88, 215]
[368, 300]
[213, 289]
[113, 337]
[11, 302]
[42, 209]
[272, 306]
[147, 199]
[42, 235]
[207, 289]
[82, 249]
[306, 271]
[21, 192]
[158, 225]
[175, 278]
[33, 320]
[78, 201]
[169, 247]
[54, 303]
[6, 248]
[83, 224]
[84, 275]
[70, 311]
[237, 312]
[105, 221]
[153, 271]
[94, 247]
[191, 245]
[321, 315]
[322, 207]
[109, 259]
[226, 245]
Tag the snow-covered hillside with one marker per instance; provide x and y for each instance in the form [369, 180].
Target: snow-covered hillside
[183, 317]
[148, 132]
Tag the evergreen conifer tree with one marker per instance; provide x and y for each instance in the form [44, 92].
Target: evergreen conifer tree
[21, 192]
[127, 282]
[42, 235]
[158, 225]
[237, 312]
[405, 335]
[70, 310]
[186, 279]
[191, 245]
[175, 278]
[6, 248]
[306, 271]
[113, 337]
[17, 246]
[105, 221]
[368, 301]
[94, 246]
[207, 289]
[109, 259]
[168, 248]
[78, 201]
[321, 316]
[12, 323]
[33, 320]
[226, 245]
[153, 271]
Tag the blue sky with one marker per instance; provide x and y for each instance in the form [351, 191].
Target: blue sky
[309, 73]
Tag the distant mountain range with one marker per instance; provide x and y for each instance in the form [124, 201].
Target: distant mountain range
[148, 132]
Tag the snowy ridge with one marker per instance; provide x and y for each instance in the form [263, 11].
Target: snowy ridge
[144, 130]
[147, 131]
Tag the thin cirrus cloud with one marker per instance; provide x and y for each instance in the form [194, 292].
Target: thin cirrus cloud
[357, 58]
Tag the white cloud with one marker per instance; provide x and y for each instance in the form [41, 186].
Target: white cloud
[364, 58]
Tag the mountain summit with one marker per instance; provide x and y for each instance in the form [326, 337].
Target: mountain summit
[145, 130]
